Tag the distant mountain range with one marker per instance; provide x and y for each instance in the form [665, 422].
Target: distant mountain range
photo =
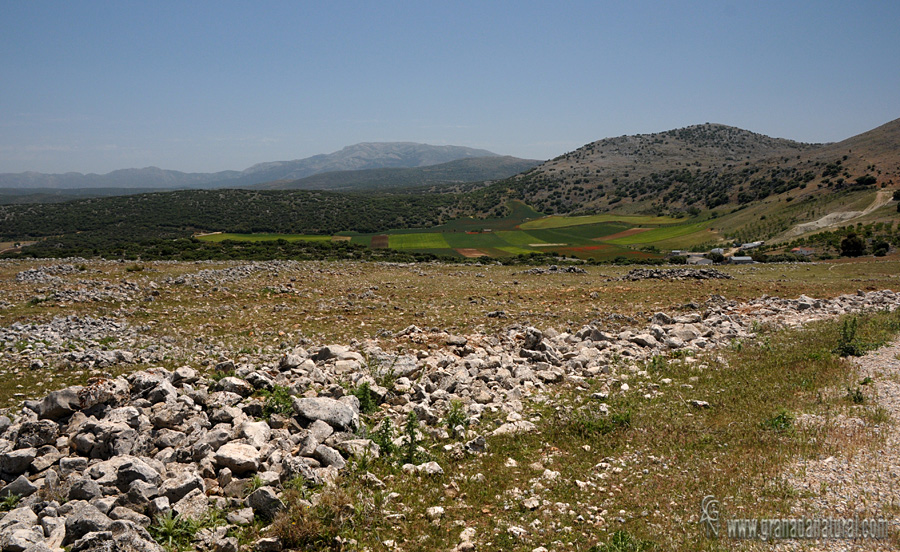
[478, 169]
[369, 155]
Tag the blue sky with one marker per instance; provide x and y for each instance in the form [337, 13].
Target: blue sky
[207, 86]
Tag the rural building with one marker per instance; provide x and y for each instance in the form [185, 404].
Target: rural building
[751, 245]
[699, 261]
[717, 251]
[802, 251]
[741, 260]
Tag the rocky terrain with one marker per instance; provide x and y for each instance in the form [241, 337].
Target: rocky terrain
[92, 467]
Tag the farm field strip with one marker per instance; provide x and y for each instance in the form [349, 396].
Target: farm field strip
[562, 222]
[418, 241]
[659, 234]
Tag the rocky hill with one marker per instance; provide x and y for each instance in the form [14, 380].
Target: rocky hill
[704, 166]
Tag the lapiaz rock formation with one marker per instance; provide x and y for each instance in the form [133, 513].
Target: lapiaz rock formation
[95, 465]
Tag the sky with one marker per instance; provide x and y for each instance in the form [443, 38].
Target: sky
[199, 86]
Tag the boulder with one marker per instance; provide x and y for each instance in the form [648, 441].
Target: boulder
[59, 404]
[238, 457]
[84, 518]
[120, 535]
[15, 462]
[265, 502]
[339, 415]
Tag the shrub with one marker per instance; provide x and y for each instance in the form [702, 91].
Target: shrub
[303, 527]
[278, 401]
[456, 417]
[368, 402]
[410, 439]
[384, 438]
[781, 421]
[622, 541]
[849, 344]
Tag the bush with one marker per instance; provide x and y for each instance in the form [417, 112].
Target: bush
[278, 401]
[781, 421]
[622, 541]
[456, 417]
[368, 402]
[849, 344]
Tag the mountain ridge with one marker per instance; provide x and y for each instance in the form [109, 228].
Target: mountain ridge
[365, 155]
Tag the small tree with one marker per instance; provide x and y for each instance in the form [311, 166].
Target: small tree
[896, 195]
[717, 258]
[852, 246]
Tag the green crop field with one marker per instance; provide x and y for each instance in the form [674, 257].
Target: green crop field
[659, 234]
[518, 237]
[418, 241]
[562, 222]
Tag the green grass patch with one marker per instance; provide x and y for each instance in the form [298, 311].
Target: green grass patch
[659, 234]
[561, 222]
[417, 241]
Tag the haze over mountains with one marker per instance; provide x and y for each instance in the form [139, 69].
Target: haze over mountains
[371, 155]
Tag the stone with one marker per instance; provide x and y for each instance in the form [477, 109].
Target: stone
[85, 518]
[20, 486]
[163, 393]
[37, 433]
[193, 505]
[265, 502]
[512, 428]
[176, 488]
[242, 517]
[337, 414]
[121, 535]
[329, 457]
[320, 430]
[16, 462]
[59, 404]
[434, 513]
[84, 488]
[430, 468]
[20, 516]
[255, 433]
[127, 514]
[293, 467]
[19, 538]
[238, 457]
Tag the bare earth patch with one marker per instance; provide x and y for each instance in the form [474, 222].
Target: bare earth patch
[860, 479]
[471, 253]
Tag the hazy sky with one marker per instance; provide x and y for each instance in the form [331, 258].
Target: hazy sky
[207, 86]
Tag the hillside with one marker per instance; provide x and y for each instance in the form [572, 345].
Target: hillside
[357, 157]
[704, 166]
[475, 169]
